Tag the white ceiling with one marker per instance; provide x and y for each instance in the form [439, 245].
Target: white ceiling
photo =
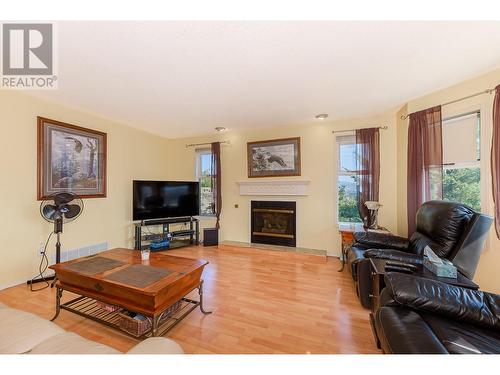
[180, 79]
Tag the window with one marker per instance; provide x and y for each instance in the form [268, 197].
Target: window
[347, 181]
[203, 163]
[461, 159]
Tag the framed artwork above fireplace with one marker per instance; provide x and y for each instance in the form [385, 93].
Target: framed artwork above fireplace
[274, 158]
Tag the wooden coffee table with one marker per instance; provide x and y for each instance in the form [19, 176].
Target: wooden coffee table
[118, 277]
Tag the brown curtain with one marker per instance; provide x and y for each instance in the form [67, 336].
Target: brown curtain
[425, 161]
[495, 159]
[368, 170]
[215, 172]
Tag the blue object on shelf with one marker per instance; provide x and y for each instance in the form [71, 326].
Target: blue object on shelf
[159, 244]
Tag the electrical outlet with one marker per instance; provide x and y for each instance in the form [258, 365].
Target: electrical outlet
[41, 247]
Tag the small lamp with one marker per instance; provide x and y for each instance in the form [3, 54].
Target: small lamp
[373, 218]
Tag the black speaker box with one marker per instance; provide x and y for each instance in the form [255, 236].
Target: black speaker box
[210, 237]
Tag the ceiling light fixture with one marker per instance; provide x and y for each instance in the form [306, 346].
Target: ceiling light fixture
[321, 116]
[220, 128]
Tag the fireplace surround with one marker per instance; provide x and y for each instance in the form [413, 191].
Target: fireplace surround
[273, 223]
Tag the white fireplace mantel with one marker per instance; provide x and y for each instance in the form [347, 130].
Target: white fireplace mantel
[274, 187]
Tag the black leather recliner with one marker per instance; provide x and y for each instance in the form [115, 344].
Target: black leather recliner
[422, 316]
[452, 230]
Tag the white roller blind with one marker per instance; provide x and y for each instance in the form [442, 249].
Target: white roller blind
[346, 138]
[347, 152]
[460, 139]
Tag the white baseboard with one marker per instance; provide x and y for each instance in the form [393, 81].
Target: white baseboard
[66, 255]
[13, 283]
[23, 281]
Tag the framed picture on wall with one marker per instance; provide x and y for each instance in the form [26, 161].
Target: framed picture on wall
[274, 158]
[70, 158]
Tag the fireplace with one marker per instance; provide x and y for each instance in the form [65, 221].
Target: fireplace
[273, 222]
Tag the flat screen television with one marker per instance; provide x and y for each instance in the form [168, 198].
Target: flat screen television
[163, 199]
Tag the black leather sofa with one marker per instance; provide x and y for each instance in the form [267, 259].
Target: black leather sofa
[452, 230]
[422, 316]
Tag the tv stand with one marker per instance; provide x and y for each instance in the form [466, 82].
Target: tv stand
[166, 220]
[184, 230]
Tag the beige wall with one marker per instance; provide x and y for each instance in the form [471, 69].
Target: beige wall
[316, 221]
[487, 274]
[131, 154]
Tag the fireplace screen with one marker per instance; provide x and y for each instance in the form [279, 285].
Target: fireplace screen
[273, 222]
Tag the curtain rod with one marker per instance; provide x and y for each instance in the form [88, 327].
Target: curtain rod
[351, 130]
[487, 91]
[205, 144]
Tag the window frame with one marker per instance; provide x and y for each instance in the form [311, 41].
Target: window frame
[478, 163]
[348, 138]
[200, 152]
[481, 104]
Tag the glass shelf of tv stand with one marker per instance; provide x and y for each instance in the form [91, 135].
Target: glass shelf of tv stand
[184, 230]
[174, 244]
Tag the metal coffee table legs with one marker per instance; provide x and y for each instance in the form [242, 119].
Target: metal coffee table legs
[160, 324]
[155, 321]
[58, 303]
[200, 292]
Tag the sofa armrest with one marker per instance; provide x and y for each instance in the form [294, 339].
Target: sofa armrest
[381, 240]
[395, 255]
[157, 345]
[403, 331]
[450, 301]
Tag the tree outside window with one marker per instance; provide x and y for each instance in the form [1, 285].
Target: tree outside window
[461, 159]
[463, 185]
[347, 183]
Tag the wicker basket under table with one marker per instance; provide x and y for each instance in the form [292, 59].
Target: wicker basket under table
[140, 327]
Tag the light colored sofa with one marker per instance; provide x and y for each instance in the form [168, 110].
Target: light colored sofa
[25, 333]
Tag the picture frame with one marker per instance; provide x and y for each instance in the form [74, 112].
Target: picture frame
[274, 158]
[70, 158]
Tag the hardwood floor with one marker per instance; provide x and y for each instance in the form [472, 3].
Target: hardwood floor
[262, 301]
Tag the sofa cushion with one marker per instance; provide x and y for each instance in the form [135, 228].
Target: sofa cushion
[440, 225]
[394, 255]
[157, 345]
[21, 331]
[354, 255]
[462, 338]
[381, 240]
[403, 331]
[453, 302]
[71, 343]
